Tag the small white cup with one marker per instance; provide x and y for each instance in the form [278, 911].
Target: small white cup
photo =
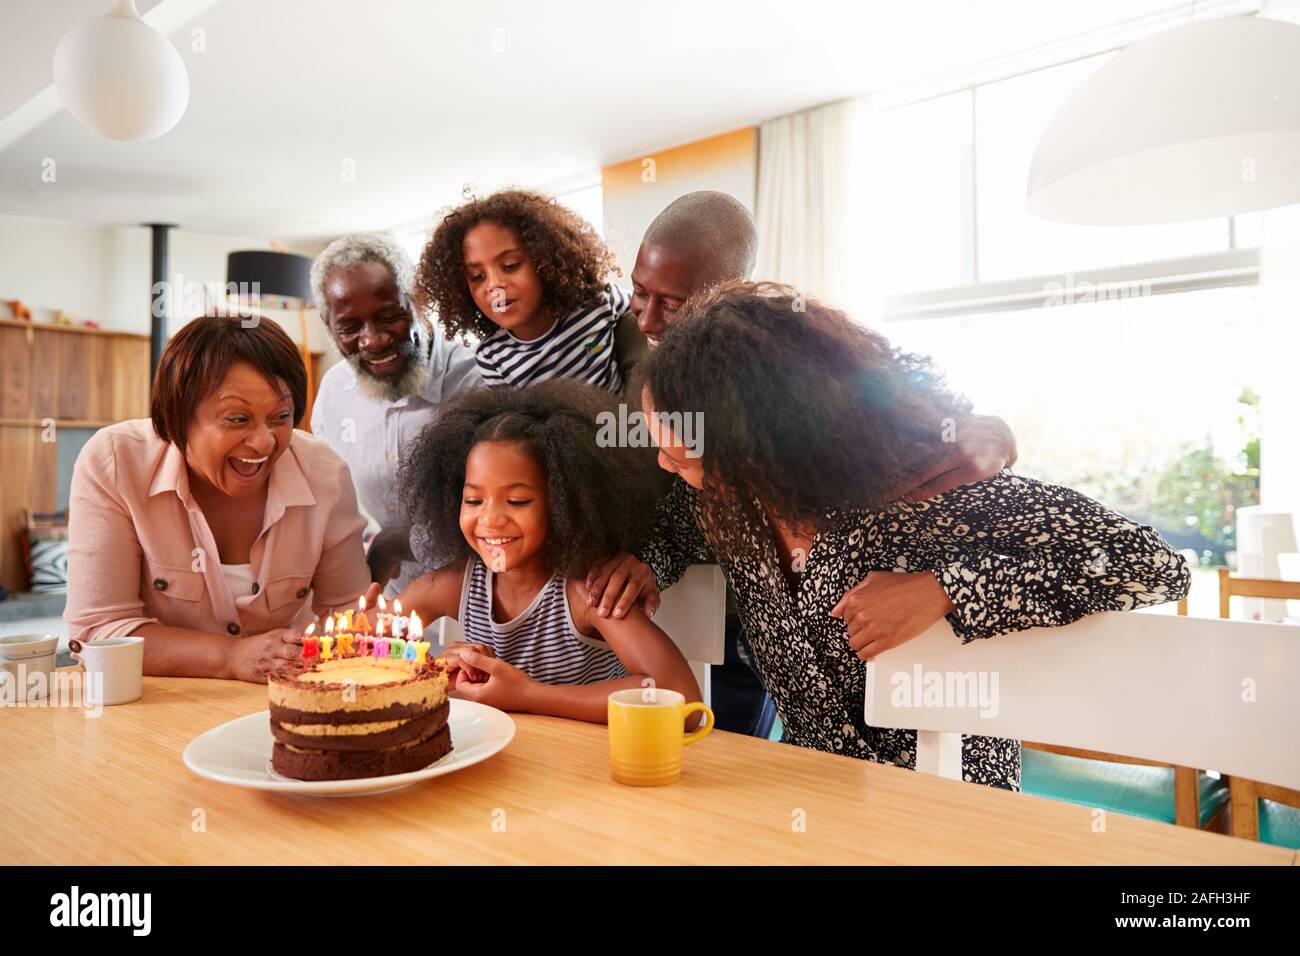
[22, 658]
[119, 662]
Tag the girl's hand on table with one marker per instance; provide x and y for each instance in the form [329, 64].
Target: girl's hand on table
[252, 658]
[460, 670]
[889, 608]
[505, 686]
[619, 583]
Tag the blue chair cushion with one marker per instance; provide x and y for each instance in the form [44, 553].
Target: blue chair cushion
[1279, 824]
[1116, 787]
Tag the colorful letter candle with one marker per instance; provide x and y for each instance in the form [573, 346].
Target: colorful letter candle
[326, 648]
[361, 623]
[396, 647]
[344, 642]
[381, 647]
[309, 645]
[417, 638]
[409, 653]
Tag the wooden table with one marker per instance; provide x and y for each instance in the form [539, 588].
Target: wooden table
[113, 790]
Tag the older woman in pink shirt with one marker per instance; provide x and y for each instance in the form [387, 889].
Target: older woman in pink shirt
[214, 529]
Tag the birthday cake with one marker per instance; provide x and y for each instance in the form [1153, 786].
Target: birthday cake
[358, 705]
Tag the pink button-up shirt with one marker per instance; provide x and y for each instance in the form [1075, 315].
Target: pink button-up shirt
[140, 550]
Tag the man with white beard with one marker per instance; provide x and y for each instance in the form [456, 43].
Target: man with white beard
[397, 369]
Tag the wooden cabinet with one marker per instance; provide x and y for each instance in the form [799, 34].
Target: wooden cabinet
[54, 377]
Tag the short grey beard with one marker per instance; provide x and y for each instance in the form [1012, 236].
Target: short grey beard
[411, 382]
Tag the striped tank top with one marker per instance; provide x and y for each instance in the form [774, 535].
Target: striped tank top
[542, 641]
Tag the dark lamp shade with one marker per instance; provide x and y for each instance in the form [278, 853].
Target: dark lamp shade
[271, 273]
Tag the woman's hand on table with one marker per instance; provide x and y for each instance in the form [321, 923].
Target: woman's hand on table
[502, 685]
[252, 658]
[889, 608]
[984, 446]
[619, 583]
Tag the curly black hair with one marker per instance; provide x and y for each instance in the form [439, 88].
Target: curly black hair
[571, 260]
[600, 500]
[804, 410]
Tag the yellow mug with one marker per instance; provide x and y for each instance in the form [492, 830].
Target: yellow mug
[646, 734]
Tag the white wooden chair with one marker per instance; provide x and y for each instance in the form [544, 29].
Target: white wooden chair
[692, 612]
[1189, 692]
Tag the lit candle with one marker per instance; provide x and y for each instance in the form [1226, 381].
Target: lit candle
[347, 619]
[417, 638]
[326, 648]
[396, 647]
[361, 623]
[409, 653]
[381, 647]
[309, 642]
[379, 627]
[344, 642]
[399, 626]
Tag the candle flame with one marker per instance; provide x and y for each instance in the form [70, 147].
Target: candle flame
[383, 605]
[361, 603]
[379, 628]
[417, 628]
[329, 625]
[311, 629]
[397, 606]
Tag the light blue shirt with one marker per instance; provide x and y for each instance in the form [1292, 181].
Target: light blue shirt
[372, 436]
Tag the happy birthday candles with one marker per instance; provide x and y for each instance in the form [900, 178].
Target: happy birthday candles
[350, 634]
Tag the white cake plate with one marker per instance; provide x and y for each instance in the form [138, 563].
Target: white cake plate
[239, 752]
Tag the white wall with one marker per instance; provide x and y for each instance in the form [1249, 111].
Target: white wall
[104, 273]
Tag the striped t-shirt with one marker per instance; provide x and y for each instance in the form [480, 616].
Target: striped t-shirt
[581, 346]
[542, 641]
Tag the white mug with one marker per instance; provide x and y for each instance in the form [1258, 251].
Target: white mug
[26, 666]
[118, 663]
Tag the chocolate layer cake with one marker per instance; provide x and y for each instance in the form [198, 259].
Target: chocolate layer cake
[358, 717]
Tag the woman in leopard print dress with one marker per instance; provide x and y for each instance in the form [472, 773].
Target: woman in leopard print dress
[812, 425]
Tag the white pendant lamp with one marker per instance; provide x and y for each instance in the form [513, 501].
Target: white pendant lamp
[1202, 120]
[120, 76]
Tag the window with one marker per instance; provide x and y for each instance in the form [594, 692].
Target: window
[919, 160]
[1146, 402]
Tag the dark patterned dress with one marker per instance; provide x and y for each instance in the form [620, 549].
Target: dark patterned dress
[1010, 552]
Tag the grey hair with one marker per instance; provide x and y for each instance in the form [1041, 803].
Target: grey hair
[352, 250]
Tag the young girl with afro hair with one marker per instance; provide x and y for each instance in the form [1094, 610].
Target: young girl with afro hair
[529, 278]
[512, 484]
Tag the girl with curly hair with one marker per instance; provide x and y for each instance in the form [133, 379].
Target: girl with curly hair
[528, 277]
[813, 428]
[512, 484]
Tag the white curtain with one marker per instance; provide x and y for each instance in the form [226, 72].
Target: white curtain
[806, 192]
